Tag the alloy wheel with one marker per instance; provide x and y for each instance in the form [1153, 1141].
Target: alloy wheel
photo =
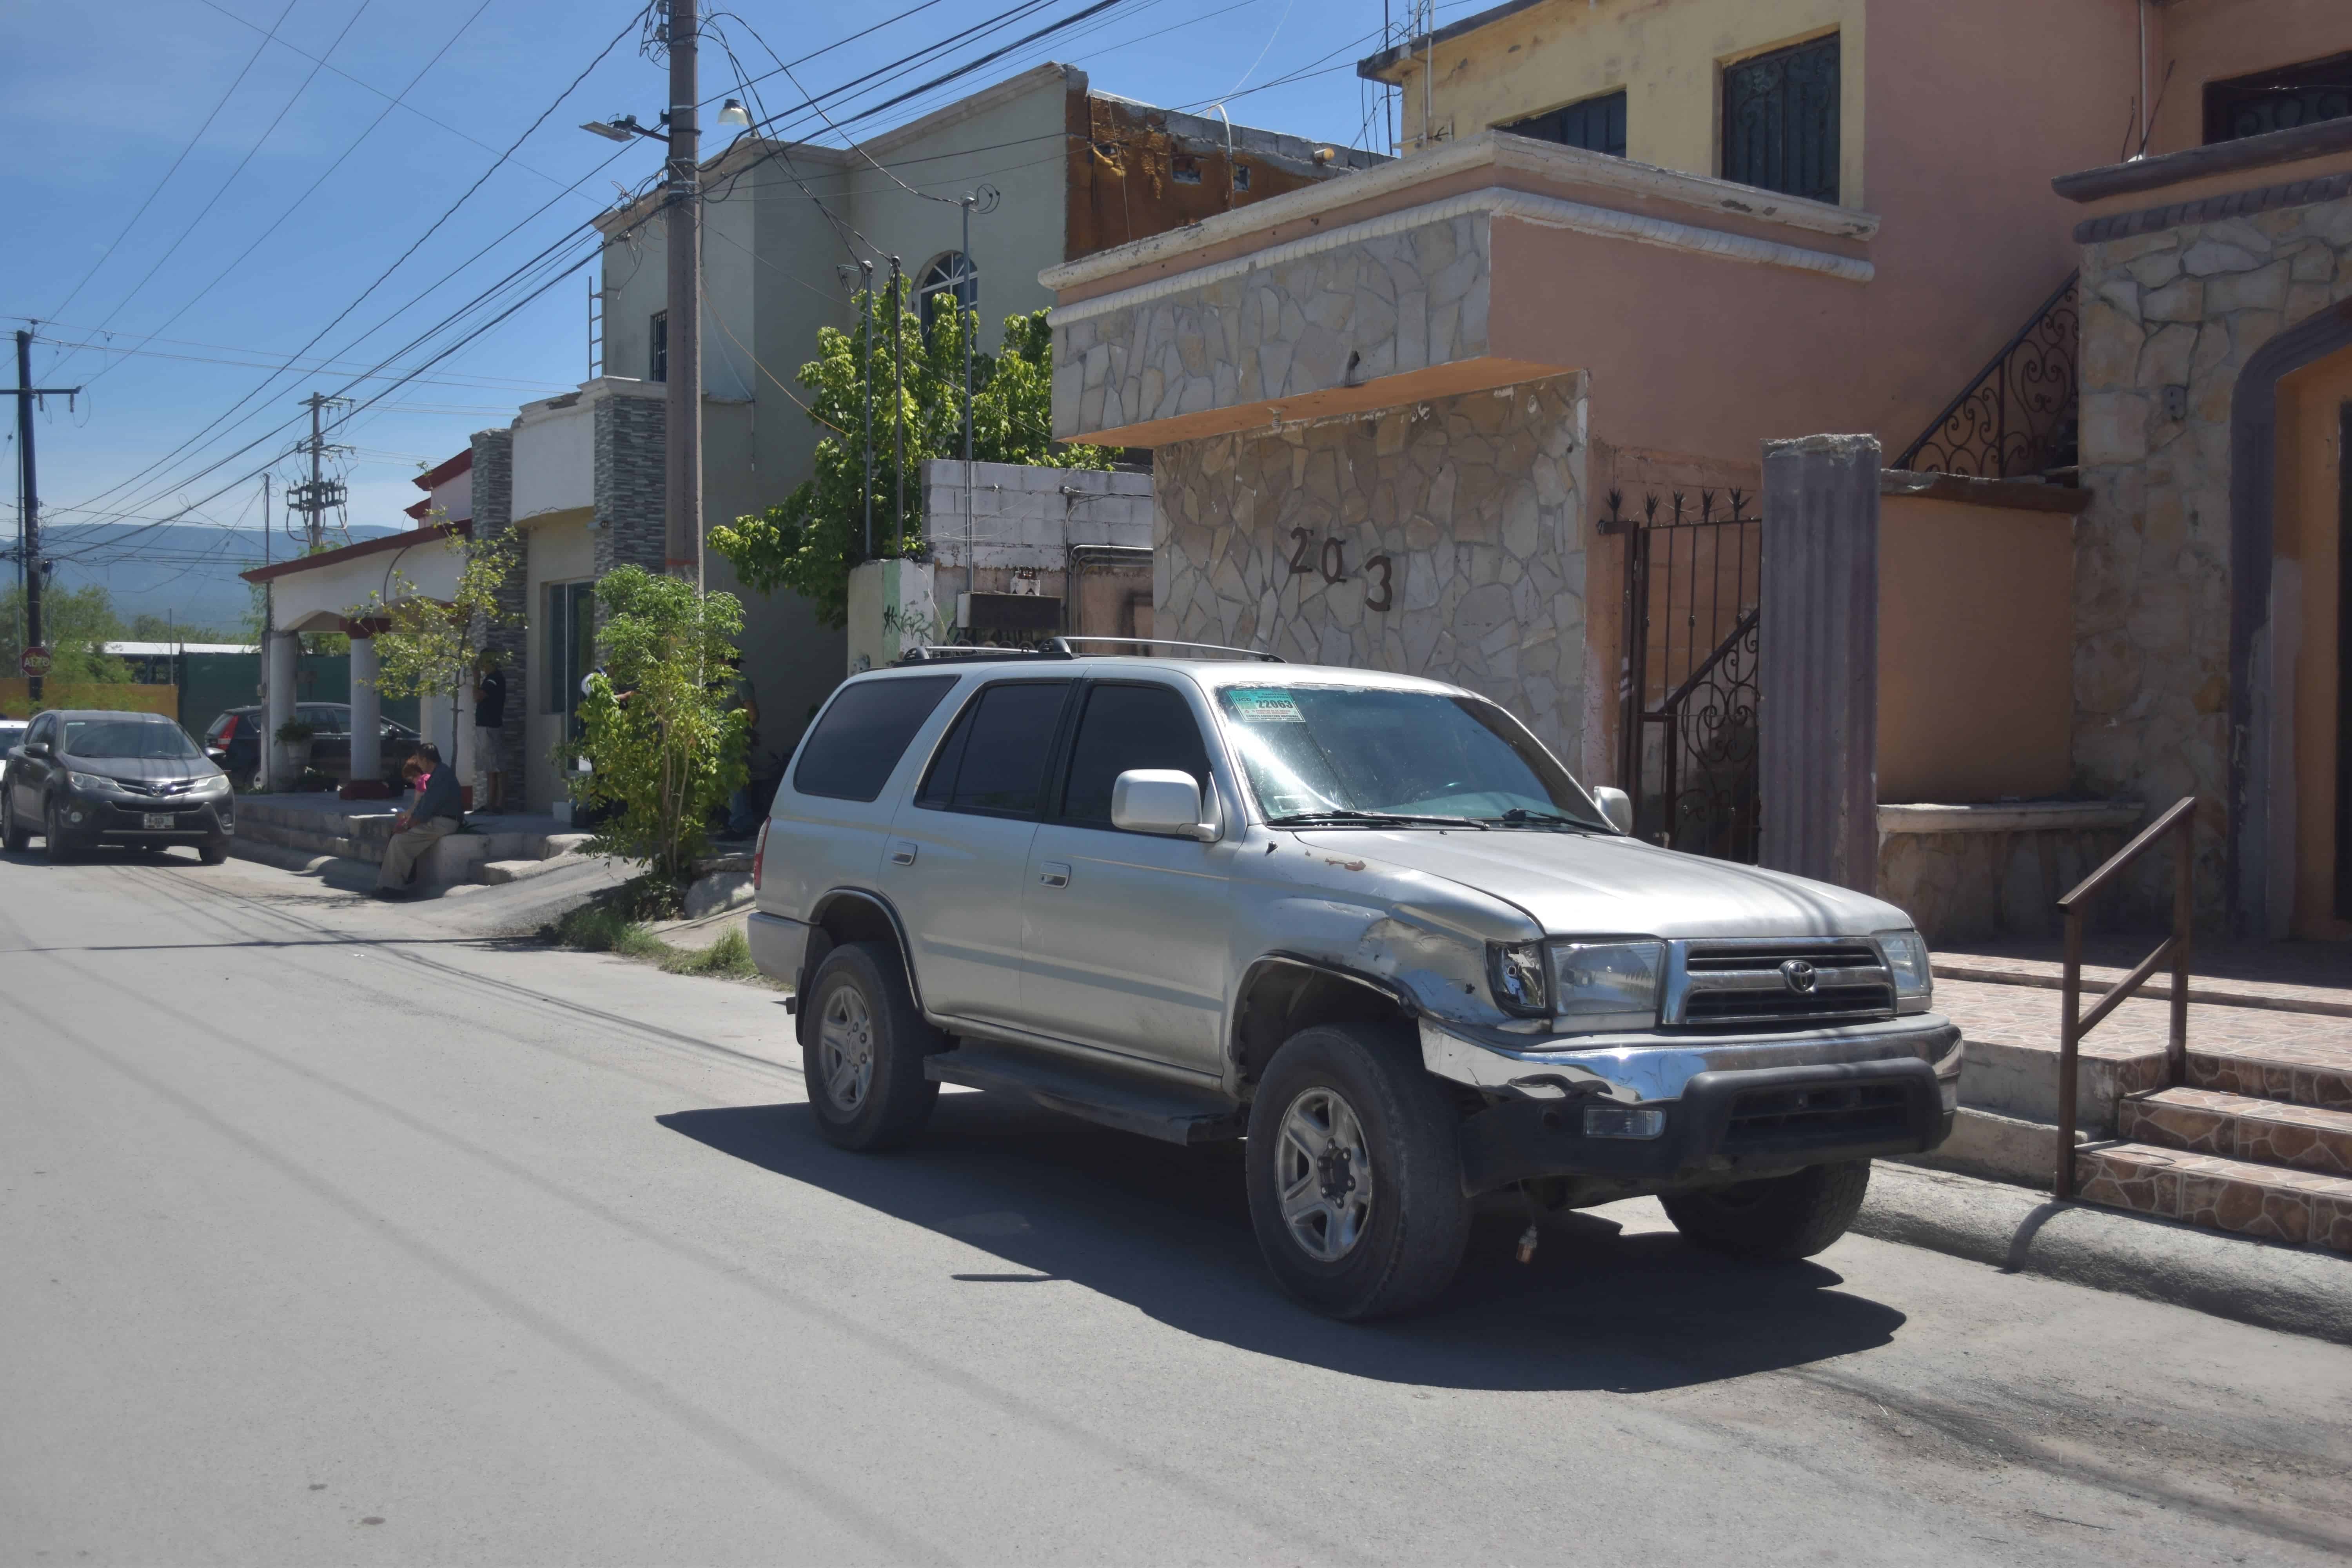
[845, 1041]
[1325, 1173]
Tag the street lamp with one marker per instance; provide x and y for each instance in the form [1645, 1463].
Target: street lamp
[620, 127]
[734, 116]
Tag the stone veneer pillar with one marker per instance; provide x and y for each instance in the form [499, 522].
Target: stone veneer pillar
[1818, 682]
[511, 640]
[630, 465]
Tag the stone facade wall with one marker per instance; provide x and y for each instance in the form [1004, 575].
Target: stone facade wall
[630, 527]
[1475, 504]
[2170, 320]
[1969, 887]
[493, 478]
[1380, 305]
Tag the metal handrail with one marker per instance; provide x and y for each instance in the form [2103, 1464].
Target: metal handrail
[2180, 819]
[1910, 454]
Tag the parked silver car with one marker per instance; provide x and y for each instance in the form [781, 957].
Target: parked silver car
[1367, 922]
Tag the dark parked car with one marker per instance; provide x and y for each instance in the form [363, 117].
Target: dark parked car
[234, 742]
[87, 779]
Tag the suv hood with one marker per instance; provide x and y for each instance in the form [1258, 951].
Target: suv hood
[1576, 883]
[141, 770]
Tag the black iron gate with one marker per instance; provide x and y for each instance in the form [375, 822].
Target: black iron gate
[1691, 644]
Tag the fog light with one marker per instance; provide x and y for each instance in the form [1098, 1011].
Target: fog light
[1623, 1121]
[74, 816]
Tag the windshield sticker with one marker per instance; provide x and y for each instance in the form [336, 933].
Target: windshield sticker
[1259, 705]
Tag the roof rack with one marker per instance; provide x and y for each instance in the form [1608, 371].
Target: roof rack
[930, 652]
[1062, 646]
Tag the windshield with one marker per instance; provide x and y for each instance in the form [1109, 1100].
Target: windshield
[159, 741]
[1343, 752]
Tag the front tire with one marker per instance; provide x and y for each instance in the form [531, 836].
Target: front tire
[863, 1048]
[1777, 1220]
[14, 835]
[1355, 1173]
[53, 830]
[212, 852]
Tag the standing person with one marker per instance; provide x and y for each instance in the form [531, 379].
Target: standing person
[438, 812]
[489, 732]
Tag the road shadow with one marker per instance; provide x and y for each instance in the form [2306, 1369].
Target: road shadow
[1166, 1229]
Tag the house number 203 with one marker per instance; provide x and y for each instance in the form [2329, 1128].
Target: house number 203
[1328, 557]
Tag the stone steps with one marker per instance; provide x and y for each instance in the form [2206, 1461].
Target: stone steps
[2240, 1127]
[2314, 1070]
[2270, 1202]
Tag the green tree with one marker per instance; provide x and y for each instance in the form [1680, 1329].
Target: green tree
[659, 727]
[429, 646]
[75, 622]
[810, 541]
[149, 626]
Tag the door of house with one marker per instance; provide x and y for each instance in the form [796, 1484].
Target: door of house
[1693, 568]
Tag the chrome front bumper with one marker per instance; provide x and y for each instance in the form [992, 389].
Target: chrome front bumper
[1636, 1069]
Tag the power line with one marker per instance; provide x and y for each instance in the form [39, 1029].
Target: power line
[205, 211]
[174, 169]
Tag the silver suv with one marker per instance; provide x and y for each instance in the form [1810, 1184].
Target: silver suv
[1366, 922]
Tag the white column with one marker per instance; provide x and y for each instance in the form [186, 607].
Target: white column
[367, 712]
[278, 668]
[464, 756]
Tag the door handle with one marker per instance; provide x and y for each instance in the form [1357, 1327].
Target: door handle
[902, 852]
[1055, 874]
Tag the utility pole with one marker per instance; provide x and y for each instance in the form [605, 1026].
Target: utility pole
[28, 498]
[321, 494]
[682, 492]
[899, 407]
[866, 267]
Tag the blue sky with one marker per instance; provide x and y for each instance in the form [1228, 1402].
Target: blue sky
[97, 102]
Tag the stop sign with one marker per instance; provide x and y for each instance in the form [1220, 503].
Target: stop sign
[34, 661]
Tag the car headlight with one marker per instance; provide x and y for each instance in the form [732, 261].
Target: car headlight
[1587, 986]
[217, 783]
[1607, 984]
[93, 783]
[1907, 962]
[1516, 974]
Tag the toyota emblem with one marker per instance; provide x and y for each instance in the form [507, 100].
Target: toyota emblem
[1800, 976]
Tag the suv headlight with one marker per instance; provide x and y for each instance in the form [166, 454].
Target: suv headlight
[93, 783]
[1587, 986]
[212, 784]
[1907, 962]
[1607, 984]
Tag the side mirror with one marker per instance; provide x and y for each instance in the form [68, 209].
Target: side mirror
[1616, 806]
[1160, 800]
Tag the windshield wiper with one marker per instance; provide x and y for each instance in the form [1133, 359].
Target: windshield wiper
[1371, 819]
[1518, 817]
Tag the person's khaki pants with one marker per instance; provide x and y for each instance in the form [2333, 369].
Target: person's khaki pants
[400, 855]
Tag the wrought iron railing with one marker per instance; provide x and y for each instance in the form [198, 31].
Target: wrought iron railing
[2179, 819]
[2017, 418]
[1689, 758]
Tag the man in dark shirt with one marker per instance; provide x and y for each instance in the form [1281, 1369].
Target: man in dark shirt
[438, 812]
[490, 734]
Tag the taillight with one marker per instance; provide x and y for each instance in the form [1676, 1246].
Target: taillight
[229, 731]
[759, 855]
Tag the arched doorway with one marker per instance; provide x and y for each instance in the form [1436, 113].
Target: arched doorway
[2291, 634]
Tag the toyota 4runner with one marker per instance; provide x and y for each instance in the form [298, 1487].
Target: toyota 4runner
[1367, 922]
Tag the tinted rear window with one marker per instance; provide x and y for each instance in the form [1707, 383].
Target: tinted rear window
[996, 760]
[864, 734]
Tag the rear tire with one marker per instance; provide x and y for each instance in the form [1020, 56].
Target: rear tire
[862, 1051]
[1355, 1173]
[12, 834]
[1777, 1220]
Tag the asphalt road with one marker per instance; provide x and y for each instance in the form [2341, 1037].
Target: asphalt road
[333, 1232]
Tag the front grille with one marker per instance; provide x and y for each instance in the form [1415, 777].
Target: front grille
[1827, 1116]
[1784, 1005]
[1738, 984]
[139, 786]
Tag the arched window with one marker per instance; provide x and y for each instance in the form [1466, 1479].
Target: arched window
[951, 276]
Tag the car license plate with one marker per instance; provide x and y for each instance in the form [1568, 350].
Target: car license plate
[157, 821]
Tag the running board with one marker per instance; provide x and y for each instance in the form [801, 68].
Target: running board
[1163, 1111]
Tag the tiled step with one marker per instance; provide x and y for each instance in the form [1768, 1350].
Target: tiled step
[2236, 1127]
[2298, 1207]
[2312, 1070]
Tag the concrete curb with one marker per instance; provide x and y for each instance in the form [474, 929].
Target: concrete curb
[2248, 1281]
